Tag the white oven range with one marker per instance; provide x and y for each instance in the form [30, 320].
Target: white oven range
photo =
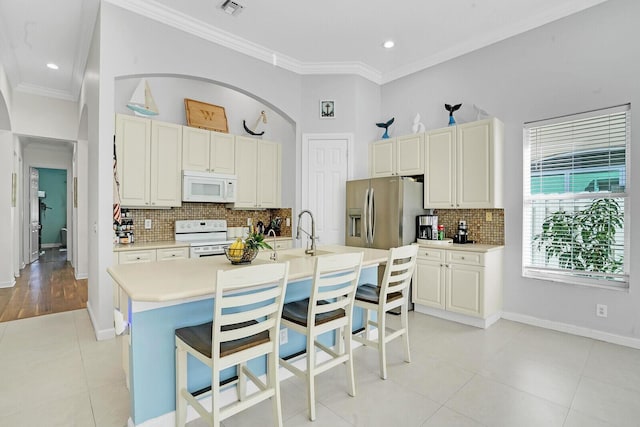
[207, 237]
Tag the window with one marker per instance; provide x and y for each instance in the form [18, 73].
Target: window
[576, 172]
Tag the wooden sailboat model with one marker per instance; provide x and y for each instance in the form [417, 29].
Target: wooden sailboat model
[141, 102]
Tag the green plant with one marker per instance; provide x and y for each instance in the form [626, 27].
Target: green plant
[256, 241]
[585, 239]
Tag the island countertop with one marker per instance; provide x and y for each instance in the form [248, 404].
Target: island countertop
[196, 277]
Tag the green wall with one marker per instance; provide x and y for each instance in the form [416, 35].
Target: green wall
[54, 183]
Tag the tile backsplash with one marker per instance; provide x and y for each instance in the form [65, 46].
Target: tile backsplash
[163, 220]
[480, 230]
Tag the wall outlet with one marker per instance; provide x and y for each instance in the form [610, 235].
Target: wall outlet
[284, 336]
[601, 310]
[249, 222]
[288, 222]
[147, 224]
[489, 216]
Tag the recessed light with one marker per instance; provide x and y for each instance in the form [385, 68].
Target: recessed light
[388, 44]
[52, 66]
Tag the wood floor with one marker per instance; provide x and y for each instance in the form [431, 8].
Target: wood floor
[44, 287]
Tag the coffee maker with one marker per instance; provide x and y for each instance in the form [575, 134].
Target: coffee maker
[463, 232]
[427, 227]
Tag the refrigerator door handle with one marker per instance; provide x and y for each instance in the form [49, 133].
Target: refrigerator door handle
[365, 227]
[372, 216]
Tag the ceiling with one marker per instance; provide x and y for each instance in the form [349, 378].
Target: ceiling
[329, 36]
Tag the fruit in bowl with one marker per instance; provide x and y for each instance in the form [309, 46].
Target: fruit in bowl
[245, 251]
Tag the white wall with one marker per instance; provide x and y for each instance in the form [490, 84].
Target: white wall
[43, 116]
[17, 211]
[6, 211]
[583, 62]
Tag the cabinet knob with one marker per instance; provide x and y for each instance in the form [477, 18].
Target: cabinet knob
[137, 257]
[461, 257]
[426, 254]
[452, 205]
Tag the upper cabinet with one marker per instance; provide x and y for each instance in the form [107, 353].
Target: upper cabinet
[149, 162]
[463, 166]
[208, 151]
[258, 167]
[402, 156]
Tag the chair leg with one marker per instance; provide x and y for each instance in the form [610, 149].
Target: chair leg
[242, 381]
[272, 378]
[215, 398]
[365, 322]
[382, 345]
[181, 384]
[349, 349]
[404, 318]
[311, 378]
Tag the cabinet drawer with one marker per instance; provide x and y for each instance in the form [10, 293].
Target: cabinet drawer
[431, 254]
[132, 257]
[172, 253]
[468, 258]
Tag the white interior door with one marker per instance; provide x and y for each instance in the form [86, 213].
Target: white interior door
[34, 215]
[326, 161]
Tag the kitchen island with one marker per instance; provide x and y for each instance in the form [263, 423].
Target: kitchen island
[158, 297]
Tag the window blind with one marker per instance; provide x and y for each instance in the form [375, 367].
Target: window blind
[575, 198]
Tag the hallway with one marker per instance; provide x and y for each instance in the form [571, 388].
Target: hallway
[46, 286]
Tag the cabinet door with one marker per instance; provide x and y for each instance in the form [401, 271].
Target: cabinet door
[281, 244]
[195, 149]
[428, 284]
[268, 176]
[410, 155]
[475, 165]
[246, 162]
[382, 158]
[166, 164]
[439, 169]
[464, 290]
[133, 152]
[223, 153]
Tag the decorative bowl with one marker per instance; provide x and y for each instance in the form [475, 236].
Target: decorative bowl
[240, 256]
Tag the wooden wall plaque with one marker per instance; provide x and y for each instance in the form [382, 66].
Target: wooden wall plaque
[205, 116]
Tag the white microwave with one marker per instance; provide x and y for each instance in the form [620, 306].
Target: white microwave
[208, 187]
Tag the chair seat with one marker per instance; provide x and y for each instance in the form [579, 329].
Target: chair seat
[371, 293]
[199, 338]
[297, 311]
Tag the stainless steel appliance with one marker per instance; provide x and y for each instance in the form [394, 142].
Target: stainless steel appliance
[381, 212]
[207, 237]
[427, 227]
[463, 232]
[208, 187]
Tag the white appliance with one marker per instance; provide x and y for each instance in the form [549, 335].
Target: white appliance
[207, 237]
[208, 187]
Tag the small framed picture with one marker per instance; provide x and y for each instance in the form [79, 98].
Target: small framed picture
[327, 109]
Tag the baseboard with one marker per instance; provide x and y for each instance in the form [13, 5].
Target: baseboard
[8, 284]
[574, 330]
[101, 334]
[457, 317]
[50, 245]
[80, 276]
[229, 395]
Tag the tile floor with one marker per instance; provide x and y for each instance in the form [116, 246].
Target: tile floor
[54, 373]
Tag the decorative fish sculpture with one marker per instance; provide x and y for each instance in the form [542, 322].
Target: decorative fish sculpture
[385, 126]
[451, 109]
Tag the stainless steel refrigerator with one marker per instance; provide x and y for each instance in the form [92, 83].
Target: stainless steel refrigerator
[381, 212]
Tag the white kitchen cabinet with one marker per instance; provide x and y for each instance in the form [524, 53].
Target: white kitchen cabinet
[463, 166]
[281, 244]
[208, 151]
[149, 155]
[136, 257]
[467, 284]
[258, 167]
[167, 254]
[402, 156]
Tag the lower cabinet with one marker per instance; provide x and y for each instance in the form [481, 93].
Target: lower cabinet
[462, 282]
[282, 244]
[150, 255]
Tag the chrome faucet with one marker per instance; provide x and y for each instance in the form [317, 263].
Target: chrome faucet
[312, 236]
[274, 255]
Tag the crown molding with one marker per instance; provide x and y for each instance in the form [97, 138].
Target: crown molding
[64, 95]
[358, 68]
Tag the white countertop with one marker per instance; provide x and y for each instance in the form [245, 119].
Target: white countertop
[467, 247]
[164, 244]
[196, 277]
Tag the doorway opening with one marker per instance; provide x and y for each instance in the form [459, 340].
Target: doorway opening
[52, 208]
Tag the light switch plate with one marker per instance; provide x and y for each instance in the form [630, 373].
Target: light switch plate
[489, 216]
[147, 224]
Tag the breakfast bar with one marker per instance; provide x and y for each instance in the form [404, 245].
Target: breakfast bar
[158, 297]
